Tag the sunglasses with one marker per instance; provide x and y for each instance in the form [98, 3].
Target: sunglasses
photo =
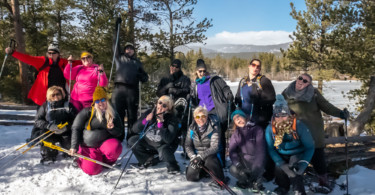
[85, 58]
[162, 104]
[302, 79]
[255, 65]
[175, 66]
[200, 71]
[281, 115]
[51, 53]
[200, 117]
[101, 100]
[56, 94]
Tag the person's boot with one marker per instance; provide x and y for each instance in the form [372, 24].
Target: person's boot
[297, 184]
[47, 154]
[173, 168]
[325, 186]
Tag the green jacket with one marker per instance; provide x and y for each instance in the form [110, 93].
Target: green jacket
[310, 114]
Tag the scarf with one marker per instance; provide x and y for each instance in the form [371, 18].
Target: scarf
[305, 95]
[282, 128]
[201, 80]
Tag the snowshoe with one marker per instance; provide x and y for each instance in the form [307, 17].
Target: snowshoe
[216, 185]
[316, 188]
[280, 191]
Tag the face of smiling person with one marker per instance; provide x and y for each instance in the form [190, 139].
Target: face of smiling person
[173, 69]
[56, 95]
[101, 104]
[239, 120]
[87, 60]
[201, 72]
[161, 107]
[53, 55]
[302, 82]
[254, 68]
[200, 119]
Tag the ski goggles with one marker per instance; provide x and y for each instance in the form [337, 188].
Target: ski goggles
[101, 100]
[200, 117]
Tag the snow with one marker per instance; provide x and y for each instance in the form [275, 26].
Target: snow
[27, 176]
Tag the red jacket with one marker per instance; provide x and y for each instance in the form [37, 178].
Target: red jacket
[38, 91]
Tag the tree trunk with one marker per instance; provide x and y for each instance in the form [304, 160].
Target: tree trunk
[21, 48]
[356, 127]
[131, 21]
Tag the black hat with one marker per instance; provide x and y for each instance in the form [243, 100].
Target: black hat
[130, 45]
[176, 62]
[201, 64]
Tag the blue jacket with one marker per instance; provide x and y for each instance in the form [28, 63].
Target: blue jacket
[303, 146]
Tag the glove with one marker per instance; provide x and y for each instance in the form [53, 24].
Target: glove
[286, 169]
[118, 21]
[299, 168]
[52, 127]
[344, 114]
[196, 162]
[57, 128]
[172, 90]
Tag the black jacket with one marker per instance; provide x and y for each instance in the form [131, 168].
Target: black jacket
[156, 137]
[177, 85]
[263, 97]
[57, 112]
[98, 134]
[220, 93]
[129, 70]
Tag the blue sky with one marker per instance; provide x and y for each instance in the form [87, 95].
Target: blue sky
[259, 22]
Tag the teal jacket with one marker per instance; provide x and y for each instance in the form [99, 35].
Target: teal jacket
[303, 146]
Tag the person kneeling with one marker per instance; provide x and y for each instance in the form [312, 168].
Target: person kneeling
[160, 127]
[202, 146]
[95, 133]
[290, 145]
[247, 151]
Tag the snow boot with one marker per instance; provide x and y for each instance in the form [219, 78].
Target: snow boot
[173, 168]
[280, 191]
[297, 184]
[48, 154]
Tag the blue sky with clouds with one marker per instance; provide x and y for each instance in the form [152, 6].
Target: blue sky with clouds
[258, 22]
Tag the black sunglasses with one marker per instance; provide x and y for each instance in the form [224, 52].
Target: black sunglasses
[175, 66]
[51, 53]
[200, 71]
[163, 105]
[302, 79]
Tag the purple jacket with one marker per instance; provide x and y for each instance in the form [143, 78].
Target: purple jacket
[247, 145]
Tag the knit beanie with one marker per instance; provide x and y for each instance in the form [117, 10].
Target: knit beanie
[99, 94]
[201, 64]
[237, 111]
[280, 105]
[177, 63]
[54, 48]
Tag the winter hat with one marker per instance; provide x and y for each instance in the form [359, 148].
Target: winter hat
[177, 63]
[99, 94]
[54, 48]
[280, 105]
[201, 64]
[237, 111]
[86, 54]
[128, 44]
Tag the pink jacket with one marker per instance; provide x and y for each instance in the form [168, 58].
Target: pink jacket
[86, 80]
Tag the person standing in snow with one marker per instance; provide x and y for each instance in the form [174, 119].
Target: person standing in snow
[291, 147]
[50, 71]
[213, 93]
[255, 96]
[247, 151]
[308, 103]
[96, 132]
[202, 146]
[161, 138]
[55, 111]
[86, 76]
[129, 72]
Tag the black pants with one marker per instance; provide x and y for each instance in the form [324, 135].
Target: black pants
[51, 154]
[144, 151]
[246, 175]
[212, 163]
[319, 161]
[125, 98]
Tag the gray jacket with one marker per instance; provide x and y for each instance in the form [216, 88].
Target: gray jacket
[208, 143]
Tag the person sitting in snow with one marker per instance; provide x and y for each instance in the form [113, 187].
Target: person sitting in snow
[96, 132]
[291, 147]
[202, 146]
[55, 111]
[160, 126]
[247, 151]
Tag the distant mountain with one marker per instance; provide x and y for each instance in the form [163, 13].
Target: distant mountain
[233, 48]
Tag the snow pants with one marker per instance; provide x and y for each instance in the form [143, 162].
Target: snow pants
[125, 98]
[246, 175]
[212, 163]
[107, 153]
[79, 105]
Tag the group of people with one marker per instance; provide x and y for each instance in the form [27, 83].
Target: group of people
[272, 136]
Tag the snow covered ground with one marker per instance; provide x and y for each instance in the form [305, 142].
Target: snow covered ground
[26, 176]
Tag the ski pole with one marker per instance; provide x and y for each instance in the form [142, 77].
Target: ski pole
[346, 153]
[342, 186]
[70, 78]
[16, 157]
[114, 54]
[6, 56]
[123, 169]
[25, 144]
[221, 183]
[50, 145]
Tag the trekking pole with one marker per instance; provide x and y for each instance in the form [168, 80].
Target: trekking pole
[140, 100]
[16, 157]
[123, 169]
[346, 153]
[50, 145]
[12, 41]
[70, 78]
[114, 54]
[25, 144]
[221, 183]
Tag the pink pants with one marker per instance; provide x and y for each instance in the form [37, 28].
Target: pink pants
[79, 105]
[107, 153]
